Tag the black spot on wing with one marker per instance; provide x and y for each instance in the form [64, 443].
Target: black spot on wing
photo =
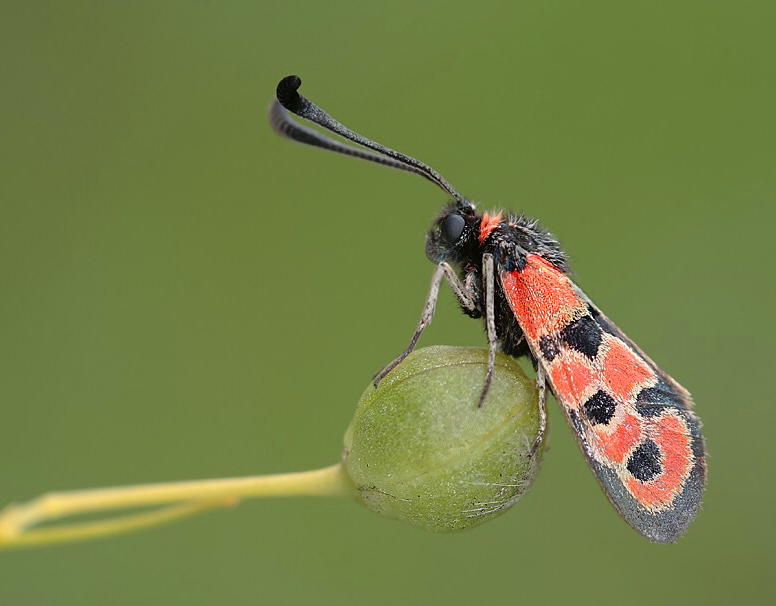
[648, 402]
[549, 348]
[602, 322]
[652, 400]
[644, 463]
[584, 335]
[600, 408]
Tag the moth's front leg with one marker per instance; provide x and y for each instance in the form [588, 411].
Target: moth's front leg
[466, 297]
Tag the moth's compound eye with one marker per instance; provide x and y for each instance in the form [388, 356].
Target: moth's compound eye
[452, 227]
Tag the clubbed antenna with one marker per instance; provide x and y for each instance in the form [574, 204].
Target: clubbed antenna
[288, 98]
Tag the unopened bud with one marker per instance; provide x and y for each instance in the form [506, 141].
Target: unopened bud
[421, 449]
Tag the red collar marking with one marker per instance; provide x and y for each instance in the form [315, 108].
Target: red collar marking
[488, 225]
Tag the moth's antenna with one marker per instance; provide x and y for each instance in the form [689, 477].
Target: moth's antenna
[289, 99]
[281, 121]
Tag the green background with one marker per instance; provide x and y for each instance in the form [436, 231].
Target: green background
[185, 295]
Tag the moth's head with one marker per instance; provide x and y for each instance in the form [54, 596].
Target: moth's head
[453, 233]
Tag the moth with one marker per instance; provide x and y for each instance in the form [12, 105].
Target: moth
[633, 422]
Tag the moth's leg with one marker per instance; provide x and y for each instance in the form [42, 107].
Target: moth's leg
[443, 270]
[488, 275]
[541, 384]
[463, 292]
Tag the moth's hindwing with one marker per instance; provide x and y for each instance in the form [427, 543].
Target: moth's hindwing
[633, 422]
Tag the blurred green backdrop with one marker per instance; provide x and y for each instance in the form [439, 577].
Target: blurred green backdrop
[185, 295]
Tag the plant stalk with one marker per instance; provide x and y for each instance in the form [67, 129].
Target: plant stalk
[17, 521]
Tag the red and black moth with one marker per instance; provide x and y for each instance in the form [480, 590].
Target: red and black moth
[633, 422]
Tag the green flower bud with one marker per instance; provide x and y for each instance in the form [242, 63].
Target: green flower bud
[420, 449]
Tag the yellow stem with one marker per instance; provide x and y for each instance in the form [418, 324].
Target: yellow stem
[112, 526]
[15, 520]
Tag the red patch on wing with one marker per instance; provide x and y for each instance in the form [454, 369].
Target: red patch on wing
[488, 225]
[618, 443]
[672, 437]
[542, 297]
[571, 377]
[623, 370]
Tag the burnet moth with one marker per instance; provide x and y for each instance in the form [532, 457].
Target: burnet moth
[633, 422]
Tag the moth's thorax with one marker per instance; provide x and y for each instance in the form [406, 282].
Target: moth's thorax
[460, 236]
